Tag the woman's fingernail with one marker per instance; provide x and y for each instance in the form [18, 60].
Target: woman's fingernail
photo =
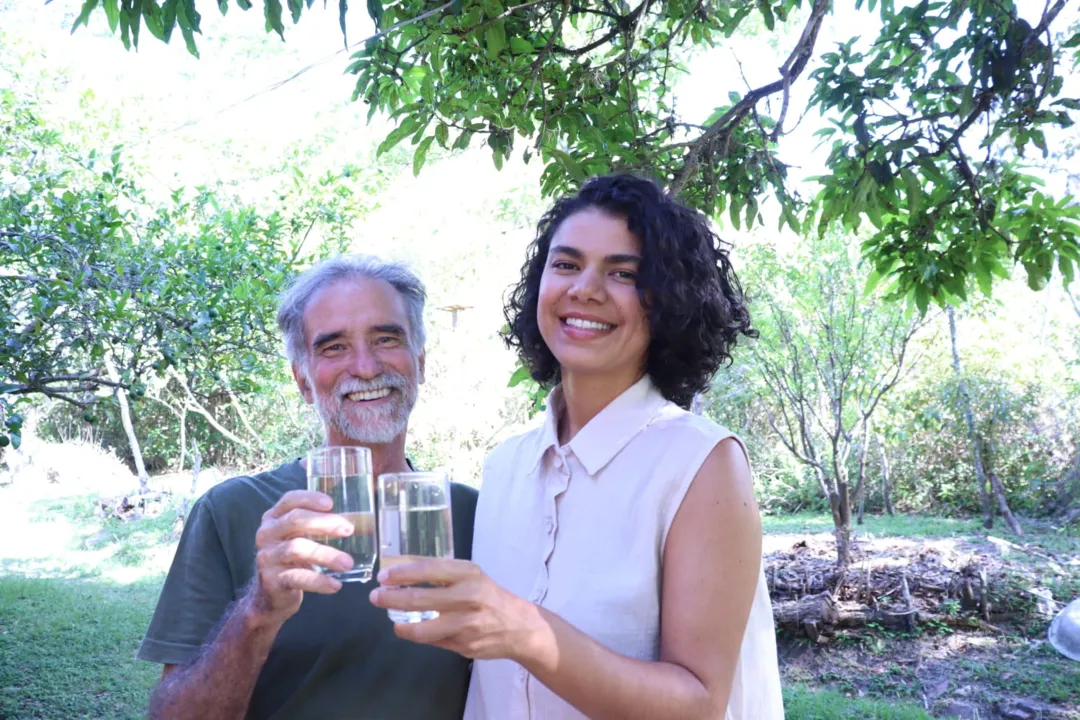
[373, 596]
[326, 503]
[383, 576]
[343, 564]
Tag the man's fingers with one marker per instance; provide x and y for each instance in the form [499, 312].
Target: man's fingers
[307, 580]
[302, 552]
[308, 499]
[433, 571]
[299, 522]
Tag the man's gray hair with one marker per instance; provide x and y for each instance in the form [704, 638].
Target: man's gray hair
[295, 299]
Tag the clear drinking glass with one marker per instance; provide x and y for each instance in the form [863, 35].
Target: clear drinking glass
[414, 523]
[344, 473]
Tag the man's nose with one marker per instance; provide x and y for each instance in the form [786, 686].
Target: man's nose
[365, 365]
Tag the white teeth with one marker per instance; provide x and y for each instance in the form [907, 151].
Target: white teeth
[587, 324]
[369, 394]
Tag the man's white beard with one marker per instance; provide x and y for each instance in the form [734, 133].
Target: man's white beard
[375, 425]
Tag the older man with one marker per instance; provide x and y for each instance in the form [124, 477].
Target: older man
[245, 627]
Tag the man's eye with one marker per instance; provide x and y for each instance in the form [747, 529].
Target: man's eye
[387, 340]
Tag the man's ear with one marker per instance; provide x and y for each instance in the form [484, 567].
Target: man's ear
[420, 360]
[303, 384]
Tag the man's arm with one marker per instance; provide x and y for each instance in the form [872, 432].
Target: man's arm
[218, 684]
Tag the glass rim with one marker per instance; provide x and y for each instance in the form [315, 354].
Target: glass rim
[329, 456]
[415, 476]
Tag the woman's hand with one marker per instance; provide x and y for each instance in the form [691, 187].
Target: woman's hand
[477, 618]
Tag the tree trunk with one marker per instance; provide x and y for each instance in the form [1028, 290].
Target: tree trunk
[129, 429]
[183, 437]
[860, 488]
[969, 420]
[885, 479]
[1003, 505]
[841, 512]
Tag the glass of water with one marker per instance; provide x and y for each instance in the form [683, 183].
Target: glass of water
[344, 473]
[414, 523]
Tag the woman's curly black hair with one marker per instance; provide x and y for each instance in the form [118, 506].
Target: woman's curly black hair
[695, 304]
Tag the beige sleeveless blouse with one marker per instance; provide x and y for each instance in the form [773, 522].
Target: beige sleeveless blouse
[580, 530]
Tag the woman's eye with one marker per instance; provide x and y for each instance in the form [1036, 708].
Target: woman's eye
[625, 275]
[562, 265]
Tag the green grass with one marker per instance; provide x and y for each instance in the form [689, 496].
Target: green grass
[67, 648]
[802, 703]
[1037, 534]
[1038, 672]
[896, 525]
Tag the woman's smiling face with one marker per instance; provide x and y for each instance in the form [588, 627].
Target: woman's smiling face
[589, 310]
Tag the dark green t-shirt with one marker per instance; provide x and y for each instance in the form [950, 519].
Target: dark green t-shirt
[337, 657]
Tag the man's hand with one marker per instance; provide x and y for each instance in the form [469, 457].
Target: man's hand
[286, 556]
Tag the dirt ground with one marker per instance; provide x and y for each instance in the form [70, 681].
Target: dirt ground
[1000, 670]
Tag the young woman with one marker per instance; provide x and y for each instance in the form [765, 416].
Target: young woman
[617, 548]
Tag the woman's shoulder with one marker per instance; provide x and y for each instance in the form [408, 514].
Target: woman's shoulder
[673, 423]
[513, 449]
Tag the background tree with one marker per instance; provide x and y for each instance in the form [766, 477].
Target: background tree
[930, 120]
[103, 291]
[827, 356]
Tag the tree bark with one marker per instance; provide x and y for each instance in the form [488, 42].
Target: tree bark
[129, 429]
[969, 420]
[860, 487]
[183, 437]
[885, 479]
[1003, 505]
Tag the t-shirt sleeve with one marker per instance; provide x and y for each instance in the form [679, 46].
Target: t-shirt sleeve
[196, 594]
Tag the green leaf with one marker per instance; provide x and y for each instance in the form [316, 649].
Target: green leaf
[985, 280]
[421, 154]
[914, 190]
[463, 139]
[1065, 266]
[521, 46]
[407, 127]
[16, 440]
[520, 375]
[188, 24]
[495, 37]
[112, 12]
[152, 16]
[188, 19]
[922, 299]
[572, 166]
[272, 13]
[1039, 139]
[751, 212]
[872, 281]
[375, 12]
[296, 7]
[84, 15]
